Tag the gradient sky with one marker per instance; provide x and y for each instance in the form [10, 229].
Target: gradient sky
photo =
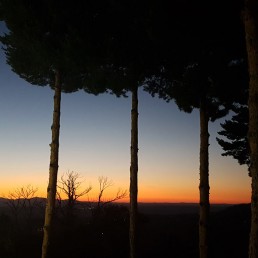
[95, 141]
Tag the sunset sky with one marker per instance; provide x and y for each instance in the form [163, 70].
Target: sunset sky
[95, 141]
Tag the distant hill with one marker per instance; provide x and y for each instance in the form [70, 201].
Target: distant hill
[165, 230]
[4, 201]
[157, 208]
[175, 208]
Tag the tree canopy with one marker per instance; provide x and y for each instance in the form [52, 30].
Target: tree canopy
[46, 36]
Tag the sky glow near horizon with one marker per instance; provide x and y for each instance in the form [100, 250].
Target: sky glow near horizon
[95, 141]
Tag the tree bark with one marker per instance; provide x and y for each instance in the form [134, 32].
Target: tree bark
[134, 174]
[53, 168]
[204, 181]
[251, 35]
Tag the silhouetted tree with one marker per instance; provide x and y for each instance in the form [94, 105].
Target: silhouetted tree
[125, 27]
[105, 183]
[251, 36]
[46, 44]
[70, 185]
[198, 76]
[195, 90]
[22, 199]
[235, 131]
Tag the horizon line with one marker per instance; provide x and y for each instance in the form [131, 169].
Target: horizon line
[147, 202]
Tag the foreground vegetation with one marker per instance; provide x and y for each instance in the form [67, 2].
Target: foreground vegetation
[165, 230]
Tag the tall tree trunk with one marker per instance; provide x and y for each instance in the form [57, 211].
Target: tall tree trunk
[53, 168]
[134, 174]
[204, 181]
[251, 32]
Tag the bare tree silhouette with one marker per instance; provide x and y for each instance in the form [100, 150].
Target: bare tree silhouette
[105, 183]
[22, 199]
[70, 185]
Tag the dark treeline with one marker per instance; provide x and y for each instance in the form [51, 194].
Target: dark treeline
[170, 229]
[200, 55]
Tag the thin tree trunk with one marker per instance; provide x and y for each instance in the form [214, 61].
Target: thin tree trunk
[53, 168]
[251, 32]
[204, 181]
[134, 174]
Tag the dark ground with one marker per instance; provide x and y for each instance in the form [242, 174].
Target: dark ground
[165, 231]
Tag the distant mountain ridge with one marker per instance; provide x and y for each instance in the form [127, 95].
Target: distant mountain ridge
[151, 208]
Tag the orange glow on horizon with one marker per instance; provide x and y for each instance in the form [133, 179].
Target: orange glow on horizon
[157, 197]
[218, 200]
[149, 192]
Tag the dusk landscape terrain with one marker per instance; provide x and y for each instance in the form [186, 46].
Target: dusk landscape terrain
[166, 230]
[128, 129]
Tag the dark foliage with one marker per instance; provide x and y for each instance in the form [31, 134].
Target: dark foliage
[48, 36]
[196, 62]
[165, 231]
[235, 132]
[230, 232]
[38, 42]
